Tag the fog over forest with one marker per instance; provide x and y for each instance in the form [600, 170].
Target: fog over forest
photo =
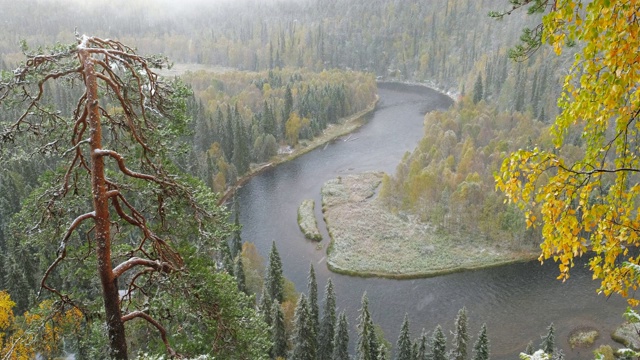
[207, 255]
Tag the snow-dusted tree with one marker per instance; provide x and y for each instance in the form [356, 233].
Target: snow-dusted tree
[328, 323]
[423, 347]
[303, 339]
[460, 337]
[117, 185]
[312, 290]
[274, 279]
[481, 347]
[265, 306]
[278, 333]
[225, 260]
[382, 352]
[438, 345]
[238, 272]
[403, 346]
[549, 341]
[236, 240]
[529, 349]
[341, 339]
[367, 347]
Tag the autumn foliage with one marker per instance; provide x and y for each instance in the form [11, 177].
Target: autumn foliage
[588, 205]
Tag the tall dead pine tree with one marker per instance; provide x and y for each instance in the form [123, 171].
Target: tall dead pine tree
[115, 141]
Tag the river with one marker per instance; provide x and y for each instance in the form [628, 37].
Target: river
[517, 302]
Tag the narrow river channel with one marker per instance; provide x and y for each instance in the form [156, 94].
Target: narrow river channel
[517, 301]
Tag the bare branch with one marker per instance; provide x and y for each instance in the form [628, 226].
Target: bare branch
[62, 250]
[136, 261]
[123, 168]
[152, 321]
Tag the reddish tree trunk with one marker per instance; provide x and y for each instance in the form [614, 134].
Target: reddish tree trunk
[115, 325]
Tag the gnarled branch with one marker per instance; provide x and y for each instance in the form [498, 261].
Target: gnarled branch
[152, 321]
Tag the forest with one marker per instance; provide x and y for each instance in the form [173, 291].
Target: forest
[143, 201]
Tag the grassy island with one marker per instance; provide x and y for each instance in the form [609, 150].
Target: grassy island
[307, 220]
[369, 240]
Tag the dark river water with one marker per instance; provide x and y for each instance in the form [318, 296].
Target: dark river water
[517, 302]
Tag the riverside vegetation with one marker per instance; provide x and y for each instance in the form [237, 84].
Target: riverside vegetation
[307, 220]
[441, 201]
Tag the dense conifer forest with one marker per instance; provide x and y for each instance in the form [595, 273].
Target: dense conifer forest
[266, 79]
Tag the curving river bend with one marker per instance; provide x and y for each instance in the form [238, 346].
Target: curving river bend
[517, 301]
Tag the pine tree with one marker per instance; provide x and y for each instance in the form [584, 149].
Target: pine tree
[341, 339]
[460, 337]
[438, 345]
[274, 280]
[477, 90]
[278, 334]
[236, 240]
[423, 348]
[312, 289]
[269, 125]
[367, 348]
[303, 338]
[288, 104]
[481, 347]
[558, 355]
[238, 272]
[328, 324]
[529, 349]
[241, 154]
[265, 306]
[404, 341]
[549, 341]
[382, 354]
[226, 261]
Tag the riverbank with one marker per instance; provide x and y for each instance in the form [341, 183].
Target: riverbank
[368, 240]
[333, 131]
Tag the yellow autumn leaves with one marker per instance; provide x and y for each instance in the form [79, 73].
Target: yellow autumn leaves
[36, 332]
[590, 202]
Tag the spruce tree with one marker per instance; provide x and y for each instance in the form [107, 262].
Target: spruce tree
[312, 289]
[328, 323]
[241, 153]
[477, 90]
[529, 349]
[558, 355]
[238, 272]
[460, 337]
[382, 354]
[236, 240]
[274, 280]
[288, 104]
[403, 345]
[549, 341]
[481, 347]
[303, 338]
[438, 345]
[278, 334]
[367, 347]
[226, 261]
[423, 348]
[341, 339]
[265, 306]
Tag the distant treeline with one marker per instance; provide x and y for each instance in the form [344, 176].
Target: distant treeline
[246, 117]
[450, 44]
